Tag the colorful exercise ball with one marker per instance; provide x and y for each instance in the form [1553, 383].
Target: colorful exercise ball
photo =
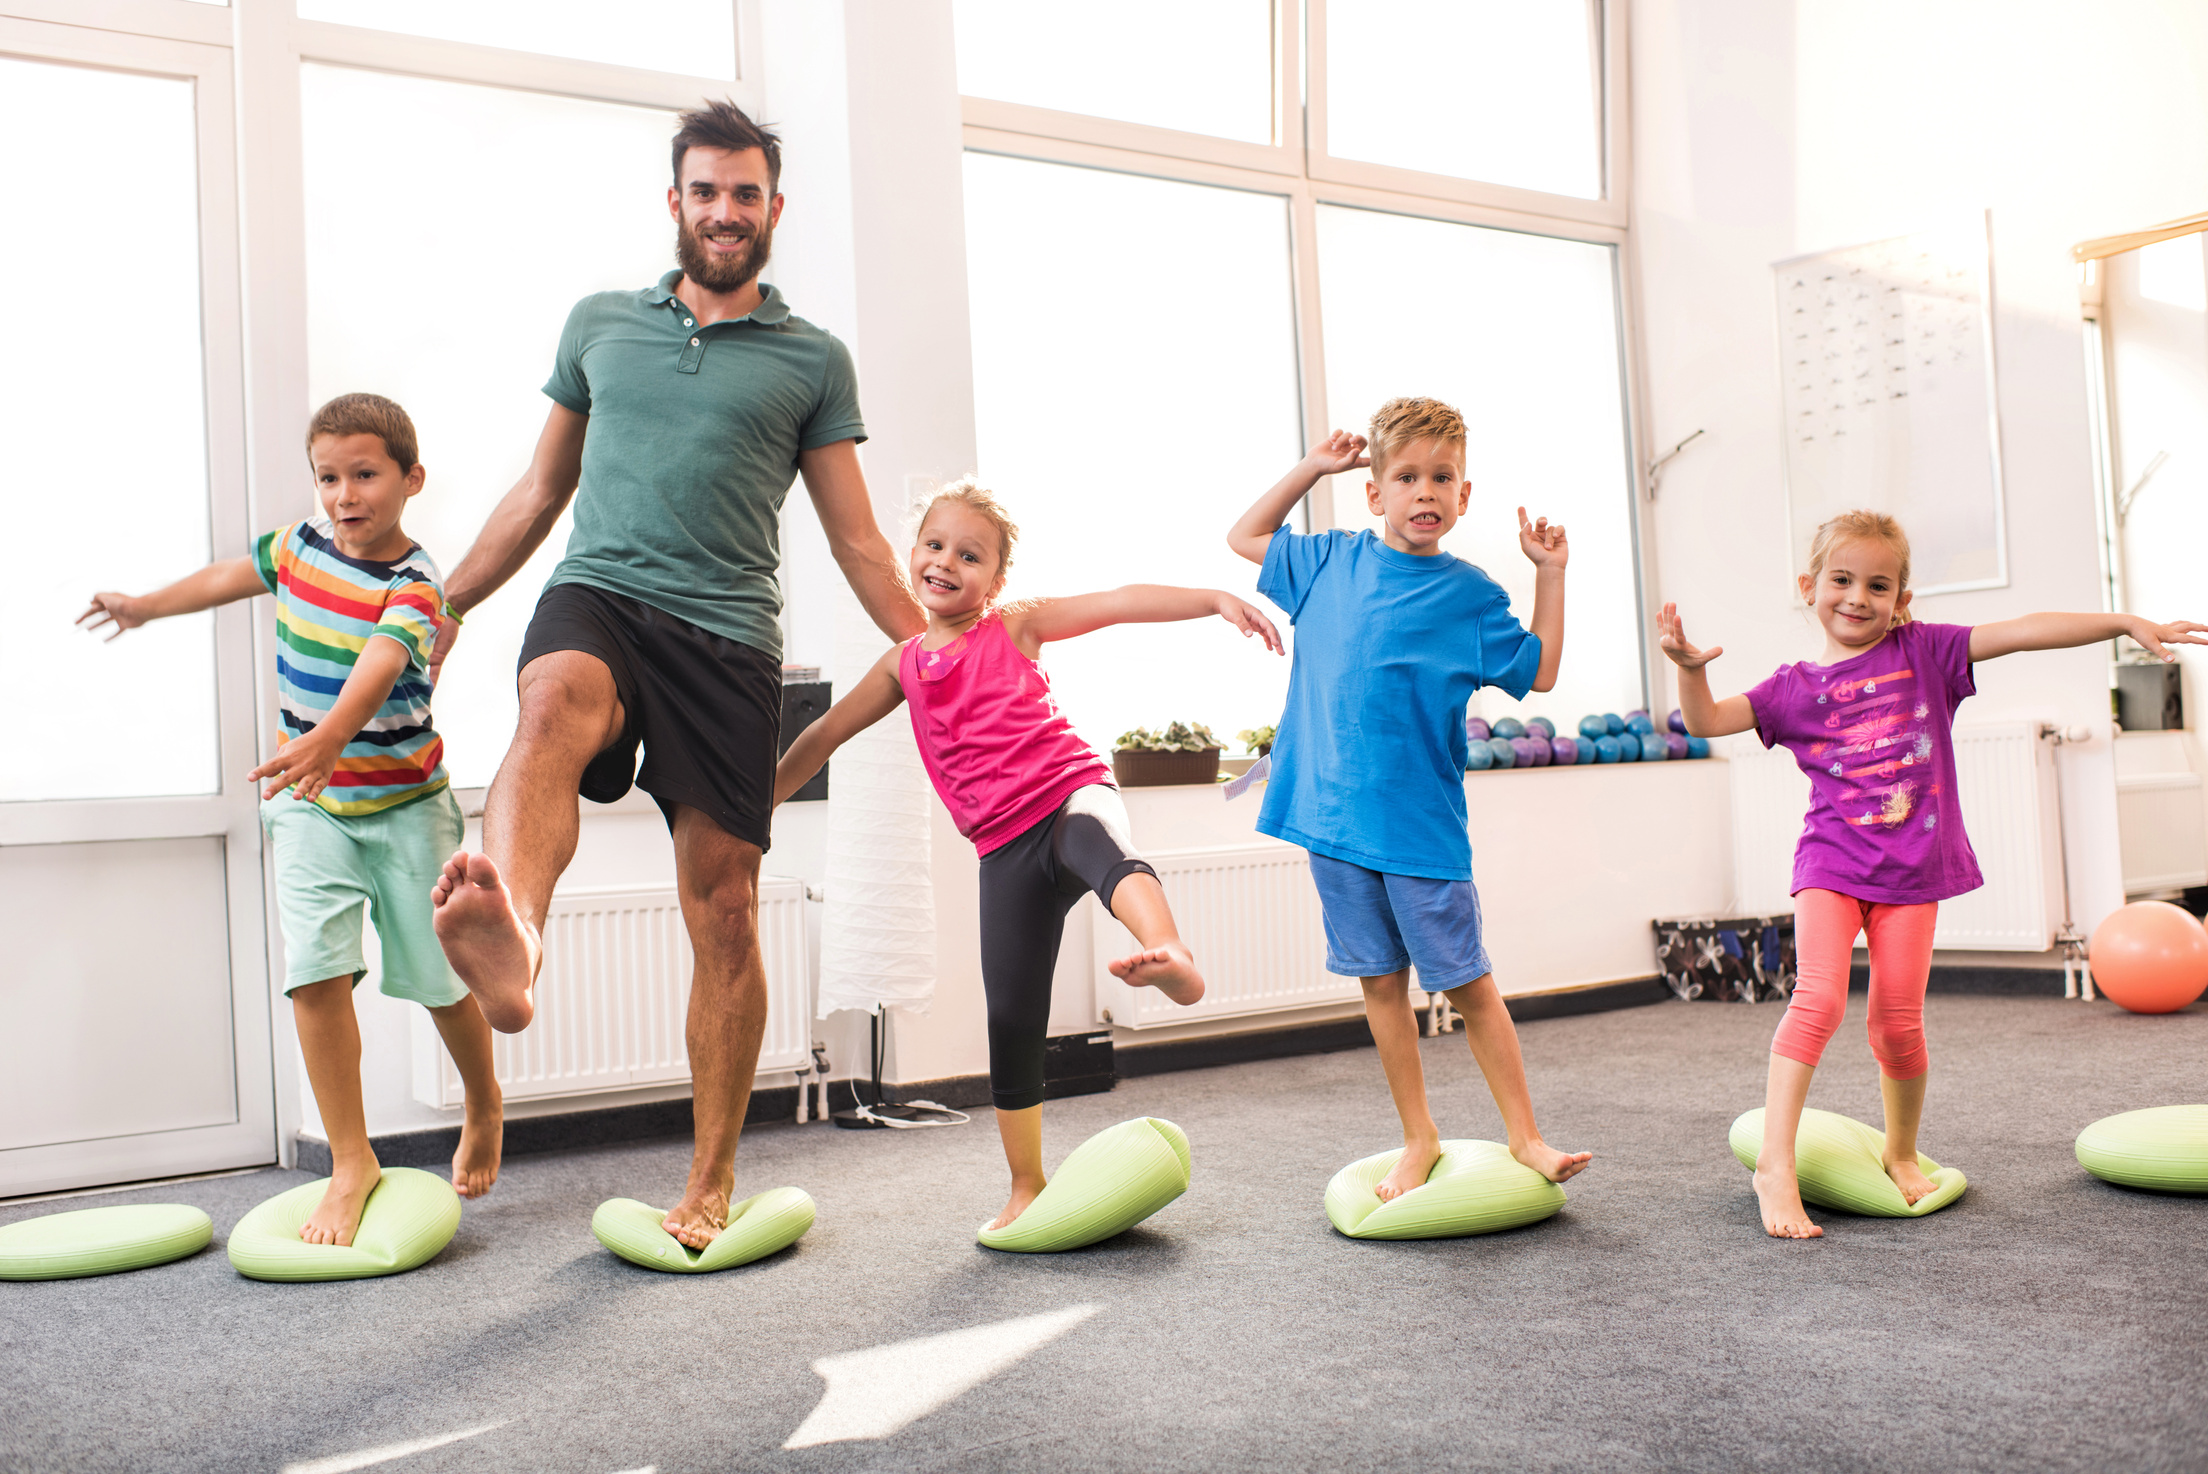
[1538, 750]
[1698, 746]
[1540, 727]
[1653, 748]
[1638, 722]
[1477, 758]
[1593, 727]
[1510, 727]
[2151, 957]
[1564, 751]
[1476, 729]
[1613, 723]
[1677, 721]
[1606, 749]
[1504, 754]
[1675, 746]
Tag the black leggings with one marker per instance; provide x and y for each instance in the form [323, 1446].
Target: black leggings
[1027, 887]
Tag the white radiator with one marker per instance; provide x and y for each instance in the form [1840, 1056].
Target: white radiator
[614, 993]
[1251, 916]
[2006, 775]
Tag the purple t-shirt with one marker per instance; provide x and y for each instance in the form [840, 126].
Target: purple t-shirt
[1875, 734]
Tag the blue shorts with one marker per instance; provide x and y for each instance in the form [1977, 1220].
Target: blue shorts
[1377, 924]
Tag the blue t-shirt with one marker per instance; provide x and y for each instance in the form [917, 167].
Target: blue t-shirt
[1368, 762]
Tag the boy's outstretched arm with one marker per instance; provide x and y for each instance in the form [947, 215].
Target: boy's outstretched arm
[875, 696]
[1704, 714]
[2055, 631]
[1032, 623]
[304, 764]
[1545, 547]
[218, 583]
[1253, 534]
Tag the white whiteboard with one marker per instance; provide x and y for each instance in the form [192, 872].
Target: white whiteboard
[1886, 368]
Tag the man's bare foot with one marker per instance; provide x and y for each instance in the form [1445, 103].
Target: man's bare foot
[1779, 1194]
[1910, 1178]
[1549, 1162]
[482, 1139]
[1170, 969]
[337, 1217]
[1023, 1193]
[494, 952]
[698, 1219]
[1410, 1170]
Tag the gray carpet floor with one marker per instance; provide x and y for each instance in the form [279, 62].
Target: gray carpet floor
[2046, 1321]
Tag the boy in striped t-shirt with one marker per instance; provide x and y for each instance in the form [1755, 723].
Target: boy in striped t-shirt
[370, 817]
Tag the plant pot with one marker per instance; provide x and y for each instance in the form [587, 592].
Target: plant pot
[1136, 767]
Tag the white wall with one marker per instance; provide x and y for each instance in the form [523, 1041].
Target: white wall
[1765, 129]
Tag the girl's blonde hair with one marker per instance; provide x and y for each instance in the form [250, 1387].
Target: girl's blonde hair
[968, 492]
[1860, 525]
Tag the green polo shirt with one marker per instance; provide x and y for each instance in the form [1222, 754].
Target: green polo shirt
[693, 443]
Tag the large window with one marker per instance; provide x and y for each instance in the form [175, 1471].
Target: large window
[1169, 303]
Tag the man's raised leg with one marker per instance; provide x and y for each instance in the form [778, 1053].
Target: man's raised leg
[490, 907]
[717, 876]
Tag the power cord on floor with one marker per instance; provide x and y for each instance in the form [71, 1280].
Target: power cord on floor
[896, 1115]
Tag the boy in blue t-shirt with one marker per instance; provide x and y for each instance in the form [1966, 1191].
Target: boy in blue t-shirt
[1393, 636]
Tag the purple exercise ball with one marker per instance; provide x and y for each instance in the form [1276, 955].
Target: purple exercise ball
[1677, 721]
[1677, 743]
[1540, 749]
[1564, 751]
[1476, 729]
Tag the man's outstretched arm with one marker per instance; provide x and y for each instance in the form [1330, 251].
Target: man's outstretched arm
[872, 568]
[518, 525]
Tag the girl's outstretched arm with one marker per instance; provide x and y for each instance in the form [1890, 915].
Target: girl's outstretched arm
[1705, 715]
[1253, 534]
[875, 696]
[2054, 631]
[1033, 622]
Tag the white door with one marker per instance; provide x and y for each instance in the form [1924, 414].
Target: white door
[134, 1006]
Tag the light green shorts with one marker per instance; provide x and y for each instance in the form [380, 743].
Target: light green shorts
[327, 867]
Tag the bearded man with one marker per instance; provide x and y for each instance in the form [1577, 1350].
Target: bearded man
[680, 415]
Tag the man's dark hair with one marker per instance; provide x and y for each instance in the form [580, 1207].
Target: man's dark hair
[724, 125]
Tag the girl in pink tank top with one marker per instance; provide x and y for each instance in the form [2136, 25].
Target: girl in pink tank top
[1038, 802]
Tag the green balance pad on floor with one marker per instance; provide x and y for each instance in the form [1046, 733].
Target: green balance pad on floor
[2164, 1148]
[1475, 1187]
[1107, 1185]
[1841, 1164]
[409, 1217]
[64, 1246]
[757, 1227]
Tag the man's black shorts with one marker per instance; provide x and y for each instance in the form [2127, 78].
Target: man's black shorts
[707, 709]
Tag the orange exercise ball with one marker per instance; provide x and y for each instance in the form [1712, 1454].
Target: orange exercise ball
[2151, 957]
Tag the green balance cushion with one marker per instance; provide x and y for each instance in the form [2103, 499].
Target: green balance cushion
[1476, 1187]
[757, 1227]
[63, 1246]
[1107, 1185]
[410, 1216]
[1841, 1164]
[2164, 1148]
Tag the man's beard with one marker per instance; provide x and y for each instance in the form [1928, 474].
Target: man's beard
[718, 273]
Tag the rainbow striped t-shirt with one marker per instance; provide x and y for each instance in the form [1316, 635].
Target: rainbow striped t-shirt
[328, 606]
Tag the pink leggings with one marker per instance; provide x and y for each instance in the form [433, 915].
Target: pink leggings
[1825, 927]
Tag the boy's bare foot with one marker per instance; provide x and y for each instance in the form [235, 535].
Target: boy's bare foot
[1170, 969]
[495, 954]
[482, 1139]
[1779, 1194]
[1910, 1178]
[1549, 1162]
[1410, 1170]
[698, 1219]
[337, 1217]
[1023, 1193]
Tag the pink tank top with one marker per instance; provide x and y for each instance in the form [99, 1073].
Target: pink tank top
[998, 749]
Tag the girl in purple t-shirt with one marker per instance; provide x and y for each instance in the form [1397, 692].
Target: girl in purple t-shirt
[1883, 845]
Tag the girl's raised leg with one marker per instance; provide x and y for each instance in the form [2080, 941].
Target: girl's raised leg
[1022, 1135]
[1163, 961]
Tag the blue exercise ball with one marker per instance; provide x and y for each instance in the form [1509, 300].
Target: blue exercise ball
[1540, 727]
[1477, 759]
[1639, 724]
[1510, 727]
[1629, 747]
[1593, 727]
[1606, 749]
[1653, 748]
[1698, 747]
[1564, 751]
[1504, 754]
[1613, 723]
[1677, 721]
[1476, 729]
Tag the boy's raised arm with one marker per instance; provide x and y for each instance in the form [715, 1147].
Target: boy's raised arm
[875, 696]
[1253, 534]
[218, 583]
[304, 764]
[1545, 547]
[1031, 624]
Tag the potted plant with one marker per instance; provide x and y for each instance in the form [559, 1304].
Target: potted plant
[1185, 752]
[1257, 739]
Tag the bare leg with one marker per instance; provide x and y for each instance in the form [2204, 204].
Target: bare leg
[482, 1133]
[329, 1039]
[1022, 1134]
[1163, 962]
[1904, 1110]
[1494, 1041]
[1395, 1031]
[718, 877]
[490, 907]
[1778, 1189]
